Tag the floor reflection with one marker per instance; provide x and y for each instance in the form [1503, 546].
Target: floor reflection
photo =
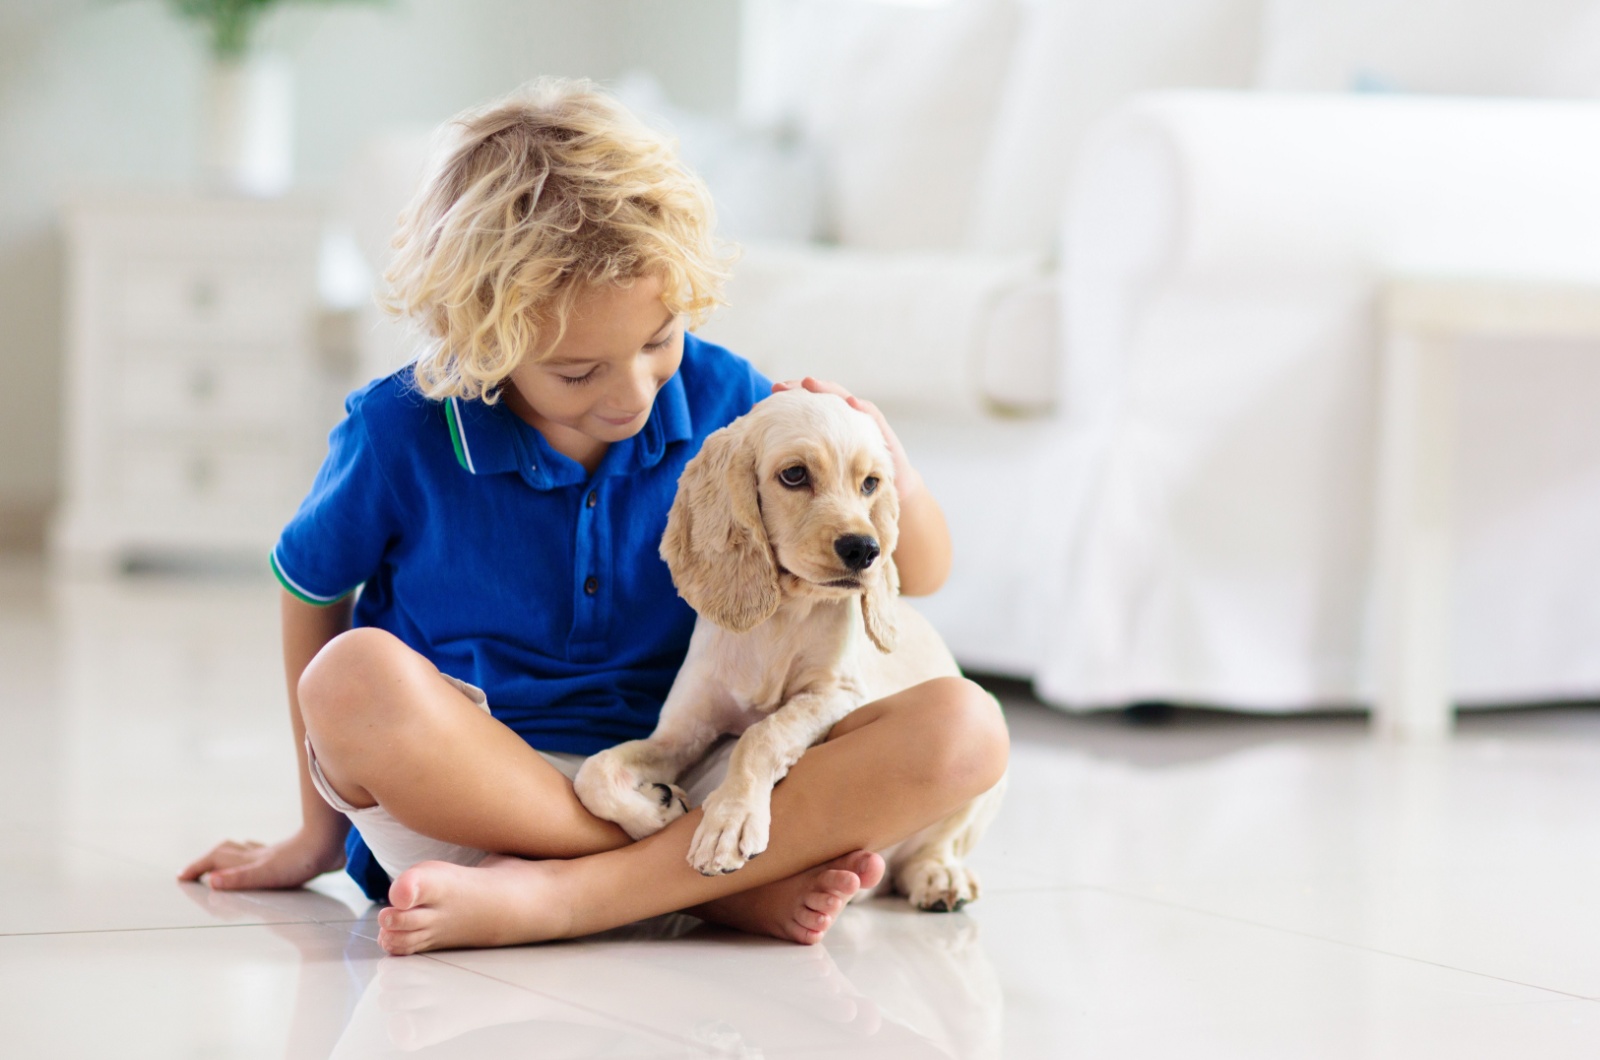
[917, 985]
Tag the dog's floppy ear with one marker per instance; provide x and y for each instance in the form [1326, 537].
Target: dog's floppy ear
[878, 605]
[715, 544]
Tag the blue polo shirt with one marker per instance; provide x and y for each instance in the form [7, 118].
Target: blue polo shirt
[505, 563]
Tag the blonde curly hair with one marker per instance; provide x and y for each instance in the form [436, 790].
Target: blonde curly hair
[552, 190]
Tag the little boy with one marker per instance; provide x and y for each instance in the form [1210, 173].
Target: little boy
[499, 504]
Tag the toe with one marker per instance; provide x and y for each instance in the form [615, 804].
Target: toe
[406, 891]
[404, 919]
[824, 902]
[840, 883]
[812, 920]
[868, 866]
[400, 943]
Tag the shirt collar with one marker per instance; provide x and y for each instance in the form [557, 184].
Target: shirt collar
[491, 439]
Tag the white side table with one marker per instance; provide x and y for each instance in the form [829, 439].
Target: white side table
[1422, 321]
[192, 413]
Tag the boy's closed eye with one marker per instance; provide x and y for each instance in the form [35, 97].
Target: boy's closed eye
[655, 345]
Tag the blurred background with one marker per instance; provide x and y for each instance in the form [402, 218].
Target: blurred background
[1249, 343]
[1252, 348]
[100, 98]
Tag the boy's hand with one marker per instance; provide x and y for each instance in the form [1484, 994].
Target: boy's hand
[907, 482]
[251, 866]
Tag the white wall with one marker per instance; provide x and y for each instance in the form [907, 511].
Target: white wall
[97, 94]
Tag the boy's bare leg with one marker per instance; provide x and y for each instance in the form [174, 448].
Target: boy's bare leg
[890, 769]
[389, 729]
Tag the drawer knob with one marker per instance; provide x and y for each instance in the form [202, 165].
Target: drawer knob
[202, 384]
[202, 474]
[203, 295]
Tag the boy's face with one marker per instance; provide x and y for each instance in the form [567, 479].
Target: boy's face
[597, 385]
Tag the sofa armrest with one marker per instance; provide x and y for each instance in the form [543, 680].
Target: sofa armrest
[1223, 191]
[1261, 182]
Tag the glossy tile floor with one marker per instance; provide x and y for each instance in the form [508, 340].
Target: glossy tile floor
[1213, 887]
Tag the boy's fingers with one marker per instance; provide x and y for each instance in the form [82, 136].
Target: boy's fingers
[212, 859]
[195, 869]
[239, 878]
[824, 386]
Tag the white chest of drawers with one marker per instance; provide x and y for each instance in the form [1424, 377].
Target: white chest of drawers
[195, 411]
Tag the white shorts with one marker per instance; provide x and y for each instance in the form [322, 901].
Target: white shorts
[397, 847]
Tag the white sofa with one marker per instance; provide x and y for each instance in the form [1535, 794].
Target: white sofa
[1112, 272]
[1132, 344]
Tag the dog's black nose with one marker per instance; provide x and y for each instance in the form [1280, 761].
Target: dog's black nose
[857, 550]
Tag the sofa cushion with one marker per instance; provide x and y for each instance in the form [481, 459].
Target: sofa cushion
[1075, 62]
[905, 330]
[900, 101]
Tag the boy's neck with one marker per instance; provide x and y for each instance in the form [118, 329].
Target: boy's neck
[575, 445]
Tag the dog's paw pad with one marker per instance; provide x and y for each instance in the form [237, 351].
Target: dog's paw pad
[668, 802]
[936, 887]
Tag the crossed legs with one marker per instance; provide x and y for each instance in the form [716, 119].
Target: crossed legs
[388, 729]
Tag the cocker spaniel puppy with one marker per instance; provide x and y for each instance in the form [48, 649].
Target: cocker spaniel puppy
[782, 537]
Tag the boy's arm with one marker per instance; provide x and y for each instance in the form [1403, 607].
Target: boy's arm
[318, 846]
[923, 553]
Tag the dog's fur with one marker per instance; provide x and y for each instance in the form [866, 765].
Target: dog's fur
[789, 640]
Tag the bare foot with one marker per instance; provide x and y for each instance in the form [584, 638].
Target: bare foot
[503, 901]
[803, 907]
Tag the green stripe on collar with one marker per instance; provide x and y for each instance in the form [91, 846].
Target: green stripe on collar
[455, 433]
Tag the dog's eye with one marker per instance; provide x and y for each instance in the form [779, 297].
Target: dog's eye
[794, 477]
[869, 485]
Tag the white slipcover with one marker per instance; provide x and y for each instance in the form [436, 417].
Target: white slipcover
[1223, 252]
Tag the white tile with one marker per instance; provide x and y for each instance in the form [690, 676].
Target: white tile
[298, 990]
[1089, 973]
[53, 886]
[736, 995]
[1226, 887]
[1482, 854]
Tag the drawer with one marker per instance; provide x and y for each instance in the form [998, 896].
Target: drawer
[161, 390]
[188, 474]
[202, 300]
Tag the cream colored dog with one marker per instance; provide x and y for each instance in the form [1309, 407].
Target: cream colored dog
[782, 537]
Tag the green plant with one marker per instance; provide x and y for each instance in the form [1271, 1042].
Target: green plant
[229, 22]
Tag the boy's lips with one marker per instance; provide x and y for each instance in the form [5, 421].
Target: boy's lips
[620, 422]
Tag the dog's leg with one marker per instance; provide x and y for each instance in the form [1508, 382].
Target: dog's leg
[631, 784]
[738, 815]
[929, 868]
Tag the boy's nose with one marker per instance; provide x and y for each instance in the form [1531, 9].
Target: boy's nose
[641, 394]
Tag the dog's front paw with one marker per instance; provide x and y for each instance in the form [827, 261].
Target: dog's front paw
[731, 833]
[608, 788]
[937, 887]
[667, 803]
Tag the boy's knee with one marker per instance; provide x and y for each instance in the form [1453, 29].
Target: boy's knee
[967, 743]
[336, 683]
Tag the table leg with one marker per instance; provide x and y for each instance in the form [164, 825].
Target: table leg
[1413, 548]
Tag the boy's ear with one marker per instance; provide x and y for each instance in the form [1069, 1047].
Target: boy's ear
[716, 545]
[878, 607]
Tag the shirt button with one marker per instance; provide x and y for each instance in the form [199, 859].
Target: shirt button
[591, 585]
[594, 499]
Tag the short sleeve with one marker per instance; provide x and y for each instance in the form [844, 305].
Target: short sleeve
[760, 386]
[338, 538]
